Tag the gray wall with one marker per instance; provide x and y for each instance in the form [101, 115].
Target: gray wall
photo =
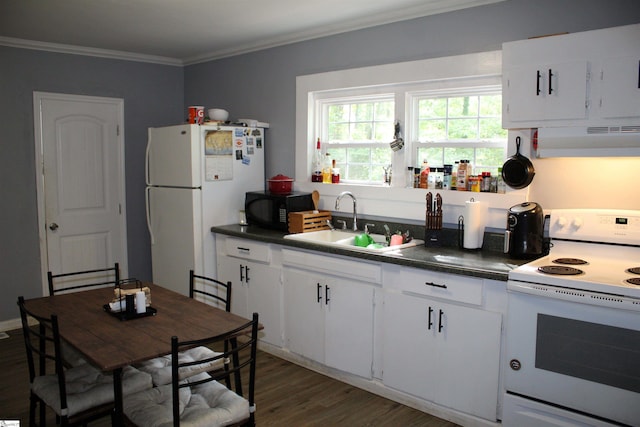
[153, 96]
[259, 85]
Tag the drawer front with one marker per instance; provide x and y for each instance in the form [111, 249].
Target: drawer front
[452, 287]
[242, 248]
[341, 267]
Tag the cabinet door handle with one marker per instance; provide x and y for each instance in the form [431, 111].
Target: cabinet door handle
[318, 292]
[430, 323]
[326, 295]
[538, 76]
[440, 326]
[435, 285]
[246, 273]
[638, 74]
[241, 273]
[550, 81]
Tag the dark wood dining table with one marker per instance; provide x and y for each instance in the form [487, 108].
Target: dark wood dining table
[110, 344]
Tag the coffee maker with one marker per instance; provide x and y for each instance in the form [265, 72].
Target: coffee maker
[524, 236]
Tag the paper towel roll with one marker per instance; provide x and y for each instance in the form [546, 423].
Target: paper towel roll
[475, 217]
[141, 302]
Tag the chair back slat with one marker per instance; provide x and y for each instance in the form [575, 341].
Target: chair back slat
[77, 280]
[222, 294]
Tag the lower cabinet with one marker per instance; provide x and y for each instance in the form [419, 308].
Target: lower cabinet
[442, 352]
[255, 284]
[328, 318]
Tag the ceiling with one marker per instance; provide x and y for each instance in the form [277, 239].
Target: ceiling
[191, 31]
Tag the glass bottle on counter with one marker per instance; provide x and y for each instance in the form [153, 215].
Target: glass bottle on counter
[424, 175]
[461, 182]
[446, 181]
[410, 178]
[316, 175]
[326, 169]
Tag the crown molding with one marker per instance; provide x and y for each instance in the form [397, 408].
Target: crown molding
[86, 51]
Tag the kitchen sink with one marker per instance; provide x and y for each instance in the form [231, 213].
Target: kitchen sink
[347, 240]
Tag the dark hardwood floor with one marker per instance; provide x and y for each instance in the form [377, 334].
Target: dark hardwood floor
[286, 395]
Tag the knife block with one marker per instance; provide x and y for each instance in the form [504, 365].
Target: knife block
[433, 229]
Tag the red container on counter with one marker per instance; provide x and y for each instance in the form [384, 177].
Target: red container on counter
[280, 184]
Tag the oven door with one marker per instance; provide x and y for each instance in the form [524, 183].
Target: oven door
[577, 356]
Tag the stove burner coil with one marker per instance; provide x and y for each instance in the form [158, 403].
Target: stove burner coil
[560, 270]
[633, 281]
[569, 261]
[633, 270]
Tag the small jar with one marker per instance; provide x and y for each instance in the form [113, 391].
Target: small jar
[446, 181]
[335, 175]
[474, 183]
[439, 179]
[486, 182]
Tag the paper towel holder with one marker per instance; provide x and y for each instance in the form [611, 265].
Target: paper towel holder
[460, 232]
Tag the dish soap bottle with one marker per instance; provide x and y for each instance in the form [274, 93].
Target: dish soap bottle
[326, 169]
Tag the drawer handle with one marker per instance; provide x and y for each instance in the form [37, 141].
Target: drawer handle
[430, 322]
[319, 292]
[435, 285]
[538, 76]
[241, 249]
[326, 295]
[440, 326]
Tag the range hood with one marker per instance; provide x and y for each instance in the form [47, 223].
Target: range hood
[593, 141]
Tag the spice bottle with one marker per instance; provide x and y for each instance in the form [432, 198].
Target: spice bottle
[410, 178]
[416, 177]
[454, 176]
[486, 182]
[446, 182]
[461, 182]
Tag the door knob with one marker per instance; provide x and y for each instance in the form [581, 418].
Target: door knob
[53, 226]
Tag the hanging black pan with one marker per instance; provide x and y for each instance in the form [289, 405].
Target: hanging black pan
[518, 171]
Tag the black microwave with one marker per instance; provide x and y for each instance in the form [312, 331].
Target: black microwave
[271, 210]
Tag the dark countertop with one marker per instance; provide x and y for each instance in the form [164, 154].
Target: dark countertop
[477, 263]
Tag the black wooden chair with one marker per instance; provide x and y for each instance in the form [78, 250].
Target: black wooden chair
[212, 290]
[77, 395]
[78, 281]
[202, 399]
[81, 280]
[209, 291]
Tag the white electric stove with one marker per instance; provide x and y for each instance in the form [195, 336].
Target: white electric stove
[573, 325]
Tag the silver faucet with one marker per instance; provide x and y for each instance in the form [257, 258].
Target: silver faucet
[355, 202]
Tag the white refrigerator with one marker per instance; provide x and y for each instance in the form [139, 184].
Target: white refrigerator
[196, 177]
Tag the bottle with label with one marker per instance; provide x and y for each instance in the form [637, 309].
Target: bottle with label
[500, 185]
[424, 175]
[335, 173]
[409, 176]
[461, 182]
[316, 175]
[454, 175]
[326, 169]
[446, 181]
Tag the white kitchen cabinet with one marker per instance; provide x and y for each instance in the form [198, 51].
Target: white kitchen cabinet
[329, 309]
[546, 92]
[440, 351]
[256, 284]
[590, 78]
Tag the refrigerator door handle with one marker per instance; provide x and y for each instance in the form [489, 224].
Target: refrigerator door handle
[147, 195]
[147, 179]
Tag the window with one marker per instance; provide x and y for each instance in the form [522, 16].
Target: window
[460, 125]
[443, 123]
[356, 133]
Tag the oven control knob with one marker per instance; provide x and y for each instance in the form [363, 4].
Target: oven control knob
[577, 223]
[515, 364]
[562, 221]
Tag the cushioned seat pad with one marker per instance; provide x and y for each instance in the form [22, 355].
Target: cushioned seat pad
[206, 405]
[160, 367]
[87, 387]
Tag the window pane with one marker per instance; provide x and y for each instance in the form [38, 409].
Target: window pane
[464, 106]
[383, 132]
[433, 155]
[492, 129]
[381, 156]
[454, 154]
[359, 155]
[338, 132]
[463, 129]
[491, 105]
[358, 172]
[432, 108]
[338, 113]
[432, 130]
[361, 112]
[361, 132]
[488, 159]
[385, 111]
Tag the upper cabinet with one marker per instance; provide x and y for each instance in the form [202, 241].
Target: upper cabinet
[583, 79]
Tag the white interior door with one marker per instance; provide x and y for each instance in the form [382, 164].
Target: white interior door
[79, 145]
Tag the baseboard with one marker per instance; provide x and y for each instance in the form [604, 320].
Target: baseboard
[10, 325]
